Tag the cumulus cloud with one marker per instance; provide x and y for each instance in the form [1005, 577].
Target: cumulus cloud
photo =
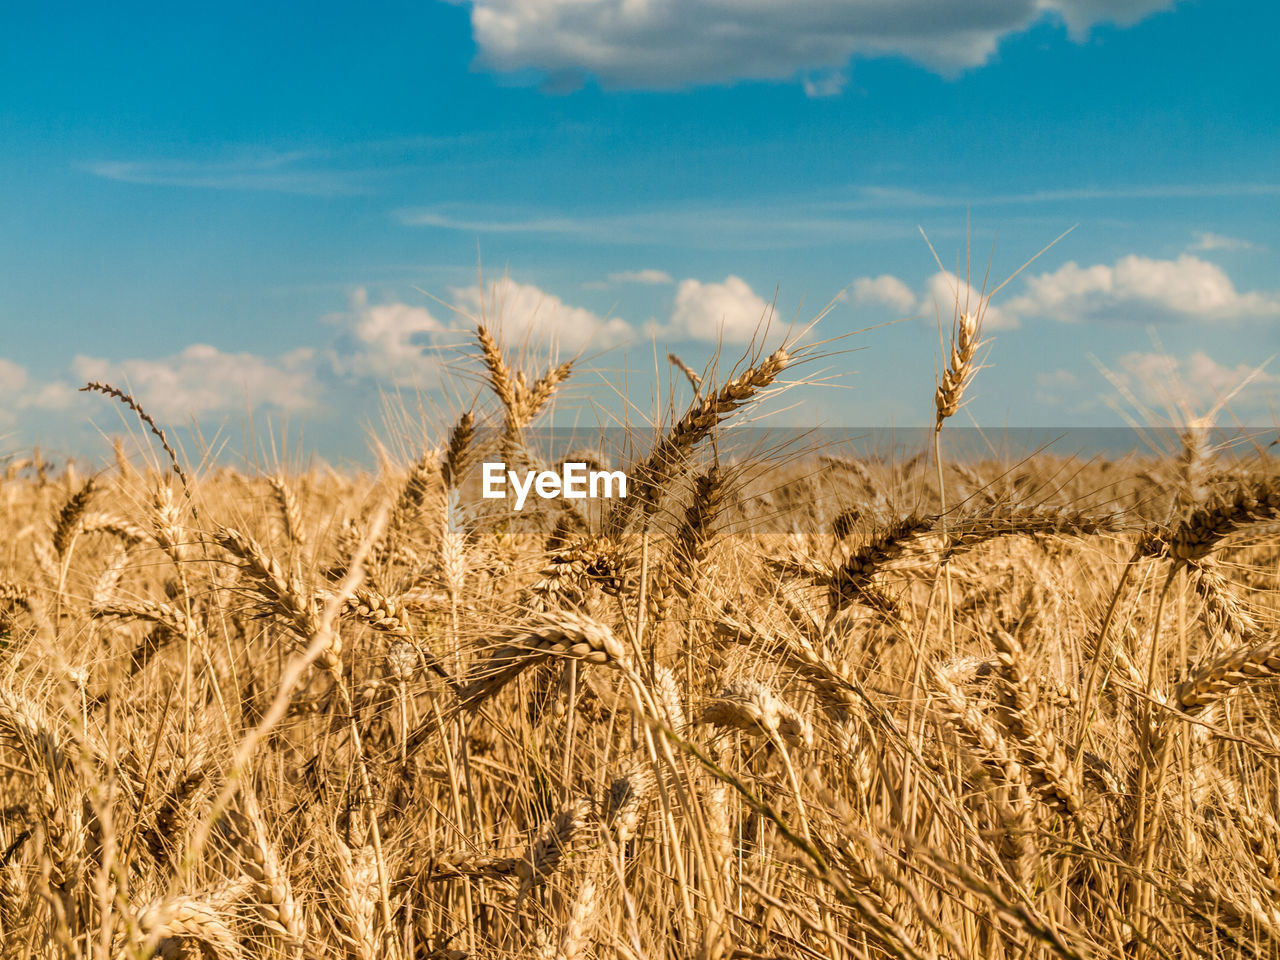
[20, 391]
[1196, 381]
[730, 311]
[660, 44]
[944, 289]
[1140, 288]
[1134, 288]
[886, 289]
[13, 380]
[387, 342]
[203, 380]
[53, 395]
[525, 314]
[951, 293]
[13, 377]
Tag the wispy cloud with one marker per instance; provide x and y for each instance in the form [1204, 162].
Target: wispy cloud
[872, 197]
[387, 342]
[758, 227]
[339, 169]
[647, 277]
[825, 83]
[867, 212]
[20, 391]
[1215, 241]
[433, 218]
[1053, 387]
[298, 172]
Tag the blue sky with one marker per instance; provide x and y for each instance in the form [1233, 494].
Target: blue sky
[241, 209]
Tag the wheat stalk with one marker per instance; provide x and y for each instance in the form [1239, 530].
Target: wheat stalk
[694, 378]
[132, 404]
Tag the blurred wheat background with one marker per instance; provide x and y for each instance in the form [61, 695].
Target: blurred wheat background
[793, 706]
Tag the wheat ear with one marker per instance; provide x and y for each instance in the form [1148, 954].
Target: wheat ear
[753, 707]
[132, 404]
[357, 883]
[68, 525]
[1256, 663]
[290, 515]
[565, 635]
[188, 918]
[704, 414]
[966, 334]
[1202, 532]
[556, 839]
[458, 453]
[1043, 756]
[691, 375]
[389, 616]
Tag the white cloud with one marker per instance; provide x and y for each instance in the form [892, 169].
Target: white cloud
[1140, 288]
[825, 83]
[203, 379]
[951, 294]
[664, 44]
[722, 226]
[1050, 383]
[298, 172]
[886, 289]
[54, 395]
[1194, 382]
[387, 342]
[525, 314]
[13, 377]
[1056, 378]
[647, 277]
[19, 391]
[730, 311]
[1216, 241]
[945, 290]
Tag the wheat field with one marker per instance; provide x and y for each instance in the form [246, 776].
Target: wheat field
[801, 705]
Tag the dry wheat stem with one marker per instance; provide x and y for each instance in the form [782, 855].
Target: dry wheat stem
[132, 404]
